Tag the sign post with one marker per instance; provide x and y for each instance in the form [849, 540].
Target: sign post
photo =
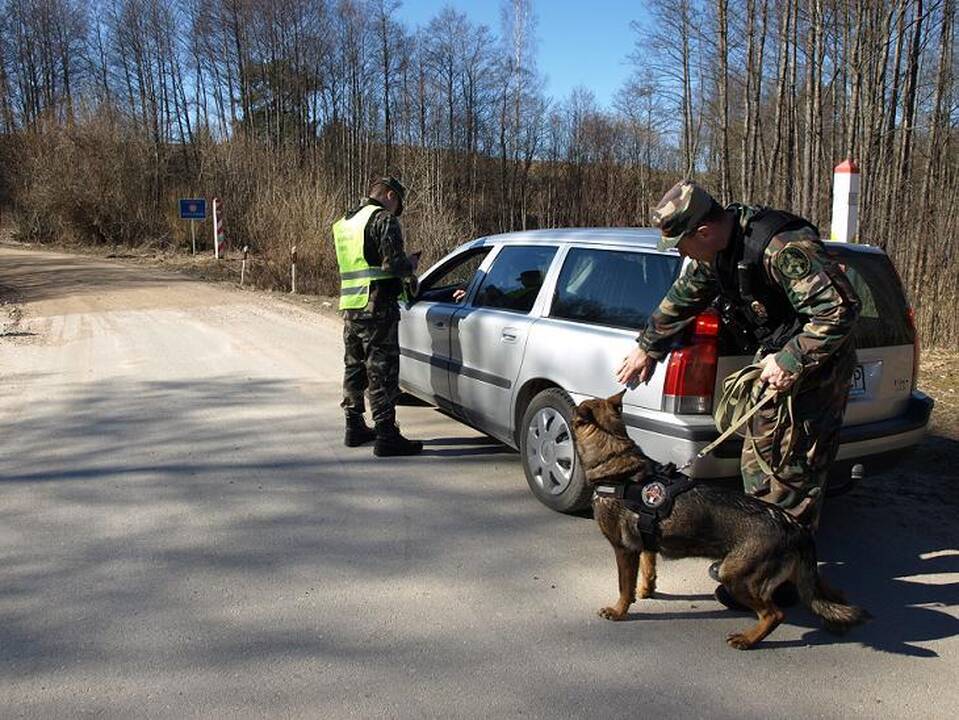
[193, 209]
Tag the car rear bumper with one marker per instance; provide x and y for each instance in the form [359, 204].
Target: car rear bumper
[673, 438]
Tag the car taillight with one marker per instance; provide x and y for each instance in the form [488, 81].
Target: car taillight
[911, 319]
[691, 370]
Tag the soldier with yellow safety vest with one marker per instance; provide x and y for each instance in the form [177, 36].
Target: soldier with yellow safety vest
[375, 272]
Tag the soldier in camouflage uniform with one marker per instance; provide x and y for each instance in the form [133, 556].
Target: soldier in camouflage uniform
[375, 272]
[800, 309]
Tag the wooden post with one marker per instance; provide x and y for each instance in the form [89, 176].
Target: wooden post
[293, 270]
[216, 231]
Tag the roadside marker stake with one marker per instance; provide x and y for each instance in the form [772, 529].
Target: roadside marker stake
[293, 270]
[216, 245]
[246, 250]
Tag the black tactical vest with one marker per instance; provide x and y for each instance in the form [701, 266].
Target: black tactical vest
[754, 306]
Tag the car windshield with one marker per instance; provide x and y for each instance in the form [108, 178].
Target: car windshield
[619, 288]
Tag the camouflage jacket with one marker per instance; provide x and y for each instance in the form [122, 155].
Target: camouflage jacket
[382, 247]
[817, 289]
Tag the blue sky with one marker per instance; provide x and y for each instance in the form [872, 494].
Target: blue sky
[579, 43]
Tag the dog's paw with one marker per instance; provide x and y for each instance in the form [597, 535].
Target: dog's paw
[647, 591]
[610, 613]
[738, 641]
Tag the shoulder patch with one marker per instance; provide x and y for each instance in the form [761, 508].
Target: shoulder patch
[792, 262]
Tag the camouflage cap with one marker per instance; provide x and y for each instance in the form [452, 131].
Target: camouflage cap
[391, 183]
[680, 212]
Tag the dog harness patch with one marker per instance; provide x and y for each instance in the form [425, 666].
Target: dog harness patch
[654, 494]
[651, 498]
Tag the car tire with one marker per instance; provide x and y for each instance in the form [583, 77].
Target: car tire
[548, 453]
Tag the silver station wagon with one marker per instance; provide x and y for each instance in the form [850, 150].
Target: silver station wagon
[508, 332]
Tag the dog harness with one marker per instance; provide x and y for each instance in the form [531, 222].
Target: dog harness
[650, 497]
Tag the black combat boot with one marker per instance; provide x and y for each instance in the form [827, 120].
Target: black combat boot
[390, 443]
[357, 431]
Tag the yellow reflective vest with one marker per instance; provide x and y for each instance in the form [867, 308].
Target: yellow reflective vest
[355, 272]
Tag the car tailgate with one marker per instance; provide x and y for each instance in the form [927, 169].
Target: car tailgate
[883, 381]
[884, 336]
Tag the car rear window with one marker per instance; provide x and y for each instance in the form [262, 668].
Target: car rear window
[619, 288]
[882, 320]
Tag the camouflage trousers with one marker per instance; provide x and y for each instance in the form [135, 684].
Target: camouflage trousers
[802, 461]
[371, 362]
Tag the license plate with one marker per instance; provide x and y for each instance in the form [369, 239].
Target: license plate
[858, 382]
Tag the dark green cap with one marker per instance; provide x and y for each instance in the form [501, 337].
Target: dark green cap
[393, 184]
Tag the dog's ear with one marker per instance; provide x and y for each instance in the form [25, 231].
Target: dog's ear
[617, 400]
[584, 412]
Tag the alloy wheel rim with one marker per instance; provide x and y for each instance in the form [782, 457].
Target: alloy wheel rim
[549, 451]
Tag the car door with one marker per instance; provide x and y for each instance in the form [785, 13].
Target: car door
[602, 299]
[489, 333]
[424, 329]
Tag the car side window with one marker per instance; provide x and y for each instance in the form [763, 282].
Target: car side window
[455, 275]
[514, 280]
[618, 288]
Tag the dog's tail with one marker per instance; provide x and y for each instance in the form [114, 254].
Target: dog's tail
[826, 602]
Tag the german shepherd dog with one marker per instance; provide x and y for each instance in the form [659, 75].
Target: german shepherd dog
[760, 545]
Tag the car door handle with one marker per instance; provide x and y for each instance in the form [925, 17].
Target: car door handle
[508, 336]
[439, 324]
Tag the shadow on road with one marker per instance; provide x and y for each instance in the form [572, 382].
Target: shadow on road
[129, 500]
[892, 545]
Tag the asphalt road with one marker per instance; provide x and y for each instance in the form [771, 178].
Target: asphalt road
[183, 534]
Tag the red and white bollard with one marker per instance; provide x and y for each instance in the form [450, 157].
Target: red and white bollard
[219, 234]
[845, 202]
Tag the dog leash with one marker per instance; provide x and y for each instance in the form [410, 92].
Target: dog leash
[736, 408]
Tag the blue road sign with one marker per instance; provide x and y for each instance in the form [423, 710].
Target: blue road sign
[193, 208]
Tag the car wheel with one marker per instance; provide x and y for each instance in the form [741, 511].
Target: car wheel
[548, 451]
